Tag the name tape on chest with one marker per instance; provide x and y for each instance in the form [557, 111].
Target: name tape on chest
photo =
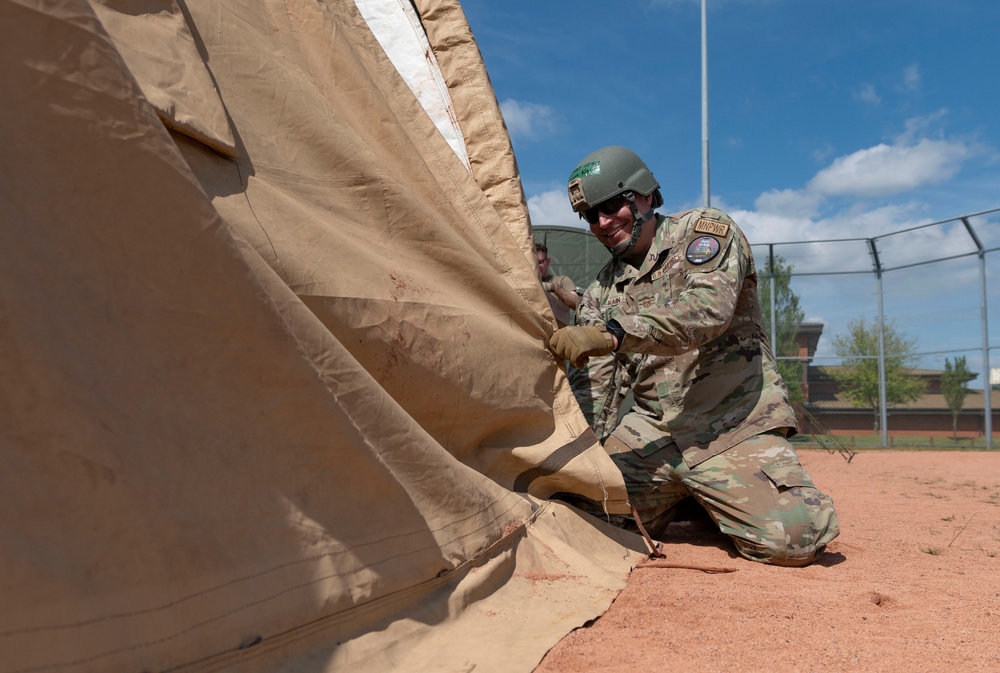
[713, 227]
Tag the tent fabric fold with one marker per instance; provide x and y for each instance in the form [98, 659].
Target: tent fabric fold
[276, 392]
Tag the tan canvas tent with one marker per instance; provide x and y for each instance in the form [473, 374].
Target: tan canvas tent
[275, 391]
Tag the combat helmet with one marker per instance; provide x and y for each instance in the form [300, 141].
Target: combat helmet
[608, 172]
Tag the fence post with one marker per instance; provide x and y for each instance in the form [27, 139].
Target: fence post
[770, 281]
[985, 322]
[883, 412]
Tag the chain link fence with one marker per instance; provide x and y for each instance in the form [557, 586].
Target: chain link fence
[867, 329]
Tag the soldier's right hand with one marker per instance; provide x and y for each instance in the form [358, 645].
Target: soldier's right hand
[577, 344]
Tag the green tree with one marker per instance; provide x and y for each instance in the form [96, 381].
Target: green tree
[954, 387]
[858, 376]
[787, 319]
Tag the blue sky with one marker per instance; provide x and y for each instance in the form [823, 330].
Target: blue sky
[827, 119]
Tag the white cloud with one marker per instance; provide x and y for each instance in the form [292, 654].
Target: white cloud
[916, 159]
[890, 169]
[866, 93]
[823, 153]
[789, 202]
[524, 119]
[862, 221]
[911, 78]
[552, 209]
[920, 127]
[832, 244]
[761, 227]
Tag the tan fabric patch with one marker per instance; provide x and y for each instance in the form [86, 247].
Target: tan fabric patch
[713, 227]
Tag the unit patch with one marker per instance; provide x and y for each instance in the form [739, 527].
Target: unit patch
[713, 227]
[702, 249]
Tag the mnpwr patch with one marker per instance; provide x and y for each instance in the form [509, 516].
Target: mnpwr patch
[713, 227]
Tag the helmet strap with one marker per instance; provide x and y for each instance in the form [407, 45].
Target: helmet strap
[622, 249]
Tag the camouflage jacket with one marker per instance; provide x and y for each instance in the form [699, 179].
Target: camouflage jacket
[694, 355]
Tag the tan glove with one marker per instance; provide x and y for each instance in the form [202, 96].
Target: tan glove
[577, 344]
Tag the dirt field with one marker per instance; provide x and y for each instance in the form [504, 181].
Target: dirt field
[912, 583]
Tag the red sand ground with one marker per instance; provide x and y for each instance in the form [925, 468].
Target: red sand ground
[912, 583]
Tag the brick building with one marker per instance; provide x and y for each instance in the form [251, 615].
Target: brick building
[828, 411]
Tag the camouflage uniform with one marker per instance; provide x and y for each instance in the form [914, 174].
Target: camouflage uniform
[711, 414]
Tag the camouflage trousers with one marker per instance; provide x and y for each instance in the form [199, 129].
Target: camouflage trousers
[757, 493]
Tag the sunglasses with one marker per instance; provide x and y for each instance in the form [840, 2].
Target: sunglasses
[608, 207]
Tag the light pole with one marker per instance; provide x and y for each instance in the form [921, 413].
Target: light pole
[705, 192]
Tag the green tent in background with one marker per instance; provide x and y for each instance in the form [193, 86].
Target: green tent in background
[575, 252]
